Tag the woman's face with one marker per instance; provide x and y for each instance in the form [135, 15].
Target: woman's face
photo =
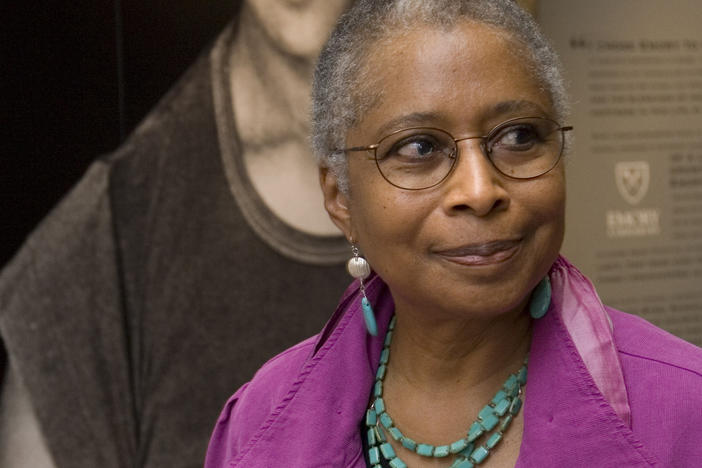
[478, 242]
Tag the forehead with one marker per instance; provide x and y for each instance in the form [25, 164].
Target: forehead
[470, 75]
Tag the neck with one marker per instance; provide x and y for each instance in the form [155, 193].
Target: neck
[267, 79]
[270, 92]
[441, 373]
[461, 355]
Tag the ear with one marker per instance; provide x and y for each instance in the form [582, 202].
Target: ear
[335, 201]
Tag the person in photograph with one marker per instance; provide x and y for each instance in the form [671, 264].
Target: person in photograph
[178, 264]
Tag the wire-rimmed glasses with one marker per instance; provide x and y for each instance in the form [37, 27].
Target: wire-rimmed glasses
[418, 158]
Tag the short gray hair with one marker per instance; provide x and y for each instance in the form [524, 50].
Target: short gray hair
[339, 98]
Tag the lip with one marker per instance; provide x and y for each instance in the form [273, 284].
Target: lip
[483, 253]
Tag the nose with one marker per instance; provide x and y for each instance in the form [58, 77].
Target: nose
[474, 186]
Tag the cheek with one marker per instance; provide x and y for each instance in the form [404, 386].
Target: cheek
[546, 192]
[386, 222]
[547, 207]
[378, 218]
[369, 198]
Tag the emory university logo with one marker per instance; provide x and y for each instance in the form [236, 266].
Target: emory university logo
[632, 180]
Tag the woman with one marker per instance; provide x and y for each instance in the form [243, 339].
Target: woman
[439, 130]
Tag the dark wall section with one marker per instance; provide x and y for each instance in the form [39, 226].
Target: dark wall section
[161, 38]
[75, 78]
[59, 103]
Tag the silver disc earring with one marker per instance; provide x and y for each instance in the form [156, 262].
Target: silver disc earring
[359, 268]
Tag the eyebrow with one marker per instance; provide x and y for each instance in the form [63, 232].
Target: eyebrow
[506, 107]
[529, 108]
[408, 120]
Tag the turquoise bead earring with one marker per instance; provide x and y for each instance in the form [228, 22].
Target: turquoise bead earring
[540, 299]
[359, 268]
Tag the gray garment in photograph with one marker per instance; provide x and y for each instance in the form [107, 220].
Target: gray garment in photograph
[146, 298]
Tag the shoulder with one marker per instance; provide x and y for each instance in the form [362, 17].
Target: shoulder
[638, 339]
[75, 236]
[181, 122]
[272, 381]
[663, 378]
[253, 406]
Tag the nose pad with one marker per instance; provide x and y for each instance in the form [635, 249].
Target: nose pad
[474, 184]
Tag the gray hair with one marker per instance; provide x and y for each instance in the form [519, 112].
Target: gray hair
[341, 92]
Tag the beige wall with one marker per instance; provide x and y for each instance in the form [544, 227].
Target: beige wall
[634, 217]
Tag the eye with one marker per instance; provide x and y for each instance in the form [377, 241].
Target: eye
[419, 147]
[415, 148]
[521, 137]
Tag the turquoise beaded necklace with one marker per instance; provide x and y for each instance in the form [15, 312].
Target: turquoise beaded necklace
[496, 416]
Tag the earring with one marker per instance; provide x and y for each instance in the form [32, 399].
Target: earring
[540, 299]
[359, 268]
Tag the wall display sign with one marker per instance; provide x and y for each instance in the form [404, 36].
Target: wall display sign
[634, 220]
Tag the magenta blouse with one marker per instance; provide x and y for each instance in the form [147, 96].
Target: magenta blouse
[606, 389]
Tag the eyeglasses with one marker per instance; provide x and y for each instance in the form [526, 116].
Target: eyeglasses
[418, 158]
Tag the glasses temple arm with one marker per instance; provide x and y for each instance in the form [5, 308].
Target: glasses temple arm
[358, 148]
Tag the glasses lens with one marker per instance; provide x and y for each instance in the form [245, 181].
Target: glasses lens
[525, 148]
[416, 158]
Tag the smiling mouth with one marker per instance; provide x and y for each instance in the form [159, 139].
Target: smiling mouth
[487, 253]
